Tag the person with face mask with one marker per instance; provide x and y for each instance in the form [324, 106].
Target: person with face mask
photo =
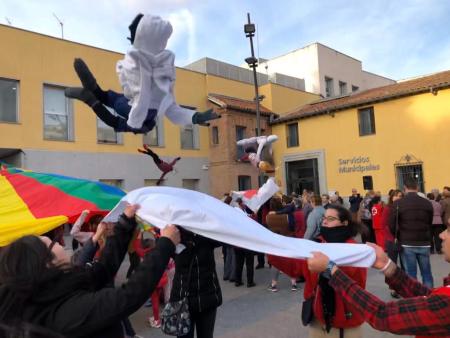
[324, 309]
[147, 76]
[38, 285]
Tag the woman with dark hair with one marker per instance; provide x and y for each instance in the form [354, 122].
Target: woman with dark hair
[38, 285]
[329, 315]
[391, 250]
[195, 273]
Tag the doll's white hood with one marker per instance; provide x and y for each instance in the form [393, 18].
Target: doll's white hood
[152, 34]
[147, 74]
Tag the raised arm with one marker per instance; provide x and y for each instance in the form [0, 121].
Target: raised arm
[115, 249]
[89, 312]
[80, 236]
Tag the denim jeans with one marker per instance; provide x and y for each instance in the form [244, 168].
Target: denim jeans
[411, 256]
[119, 103]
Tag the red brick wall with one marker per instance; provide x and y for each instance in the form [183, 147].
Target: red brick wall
[224, 168]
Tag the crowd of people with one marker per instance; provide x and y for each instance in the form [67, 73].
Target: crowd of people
[44, 292]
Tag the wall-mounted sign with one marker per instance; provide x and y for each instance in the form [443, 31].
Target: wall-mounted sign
[358, 164]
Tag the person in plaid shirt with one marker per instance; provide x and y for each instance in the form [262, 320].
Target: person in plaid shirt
[423, 312]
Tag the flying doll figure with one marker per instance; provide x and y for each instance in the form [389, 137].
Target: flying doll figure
[163, 166]
[147, 76]
[259, 152]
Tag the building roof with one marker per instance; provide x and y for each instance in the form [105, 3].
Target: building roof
[234, 103]
[429, 83]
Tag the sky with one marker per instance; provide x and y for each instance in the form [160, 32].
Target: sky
[394, 38]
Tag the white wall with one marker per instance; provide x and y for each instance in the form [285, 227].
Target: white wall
[301, 63]
[339, 67]
[371, 80]
[313, 62]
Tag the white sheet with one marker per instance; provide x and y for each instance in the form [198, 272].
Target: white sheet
[209, 217]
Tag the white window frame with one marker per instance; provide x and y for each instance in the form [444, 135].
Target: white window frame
[371, 112]
[69, 114]
[17, 90]
[342, 88]
[195, 137]
[119, 136]
[289, 136]
[159, 127]
[329, 91]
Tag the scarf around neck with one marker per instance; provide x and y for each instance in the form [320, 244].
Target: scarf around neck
[338, 234]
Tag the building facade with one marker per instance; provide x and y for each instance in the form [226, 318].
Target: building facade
[325, 71]
[238, 121]
[368, 140]
[41, 130]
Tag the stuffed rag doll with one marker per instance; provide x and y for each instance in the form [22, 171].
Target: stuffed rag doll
[147, 76]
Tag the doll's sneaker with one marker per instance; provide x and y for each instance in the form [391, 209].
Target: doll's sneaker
[81, 94]
[87, 79]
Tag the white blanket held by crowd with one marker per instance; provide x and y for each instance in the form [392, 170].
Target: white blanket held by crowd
[209, 217]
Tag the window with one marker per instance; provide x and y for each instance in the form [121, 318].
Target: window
[240, 134]
[152, 182]
[113, 182]
[58, 123]
[366, 120]
[329, 87]
[188, 136]
[191, 184]
[215, 135]
[106, 134]
[354, 88]
[244, 183]
[8, 100]
[292, 135]
[342, 88]
[154, 137]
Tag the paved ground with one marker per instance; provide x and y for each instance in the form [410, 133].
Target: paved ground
[256, 312]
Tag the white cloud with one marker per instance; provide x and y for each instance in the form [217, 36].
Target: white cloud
[394, 38]
[184, 36]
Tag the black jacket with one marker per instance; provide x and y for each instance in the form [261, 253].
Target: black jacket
[203, 286]
[95, 310]
[355, 201]
[415, 217]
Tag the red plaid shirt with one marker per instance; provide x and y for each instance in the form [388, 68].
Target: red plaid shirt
[423, 312]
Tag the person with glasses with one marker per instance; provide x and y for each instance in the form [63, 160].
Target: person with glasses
[38, 285]
[324, 309]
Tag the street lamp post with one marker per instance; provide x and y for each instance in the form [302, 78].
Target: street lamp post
[249, 29]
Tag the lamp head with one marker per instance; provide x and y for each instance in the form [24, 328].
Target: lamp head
[249, 29]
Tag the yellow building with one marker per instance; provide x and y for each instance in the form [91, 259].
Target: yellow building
[42, 130]
[378, 136]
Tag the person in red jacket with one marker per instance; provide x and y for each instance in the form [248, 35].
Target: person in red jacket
[331, 316]
[377, 214]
